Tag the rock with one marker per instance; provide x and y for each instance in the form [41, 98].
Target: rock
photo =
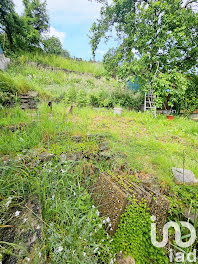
[70, 157]
[194, 115]
[107, 155]
[63, 157]
[104, 146]
[5, 160]
[29, 100]
[77, 138]
[35, 64]
[190, 214]
[90, 169]
[96, 136]
[125, 260]
[111, 200]
[46, 156]
[96, 108]
[185, 176]
[25, 231]
[4, 62]
[159, 207]
[33, 94]
[13, 128]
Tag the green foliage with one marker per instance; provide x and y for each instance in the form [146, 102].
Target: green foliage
[36, 14]
[53, 46]
[73, 223]
[10, 86]
[180, 90]
[68, 216]
[96, 69]
[17, 32]
[25, 32]
[149, 33]
[7, 89]
[133, 236]
[117, 97]
[170, 84]
[189, 102]
[73, 228]
[58, 85]
[8, 19]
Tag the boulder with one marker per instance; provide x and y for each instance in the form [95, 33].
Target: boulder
[184, 176]
[45, 156]
[4, 62]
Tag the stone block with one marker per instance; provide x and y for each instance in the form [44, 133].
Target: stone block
[184, 176]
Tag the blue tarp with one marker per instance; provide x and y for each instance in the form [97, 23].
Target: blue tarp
[133, 86]
[1, 51]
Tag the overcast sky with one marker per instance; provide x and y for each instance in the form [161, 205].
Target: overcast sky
[70, 20]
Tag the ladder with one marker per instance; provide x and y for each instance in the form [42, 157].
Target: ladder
[149, 102]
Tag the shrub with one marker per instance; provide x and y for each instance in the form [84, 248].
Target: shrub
[82, 99]
[190, 101]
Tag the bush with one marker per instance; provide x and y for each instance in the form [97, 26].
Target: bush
[123, 98]
[82, 99]
[105, 98]
[190, 101]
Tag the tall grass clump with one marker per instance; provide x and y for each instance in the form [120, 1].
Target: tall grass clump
[68, 64]
[73, 229]
[11, 86]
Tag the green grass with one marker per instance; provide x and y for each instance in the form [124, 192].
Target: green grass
[72, 226]
[162, 144]
[68, 64]
[144, 144]
[71, 88]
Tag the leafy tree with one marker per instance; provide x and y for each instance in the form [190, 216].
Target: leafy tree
[154, 36]
[36, 14]
[65, 53]
[189, 102]
[53, 46]
[8, 19]
[15, 29]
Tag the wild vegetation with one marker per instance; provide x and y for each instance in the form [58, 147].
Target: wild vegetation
[26, 32]
[139, 148]
[73, 229]
[157, 42]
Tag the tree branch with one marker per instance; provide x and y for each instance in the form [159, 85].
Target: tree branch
[189, 2]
